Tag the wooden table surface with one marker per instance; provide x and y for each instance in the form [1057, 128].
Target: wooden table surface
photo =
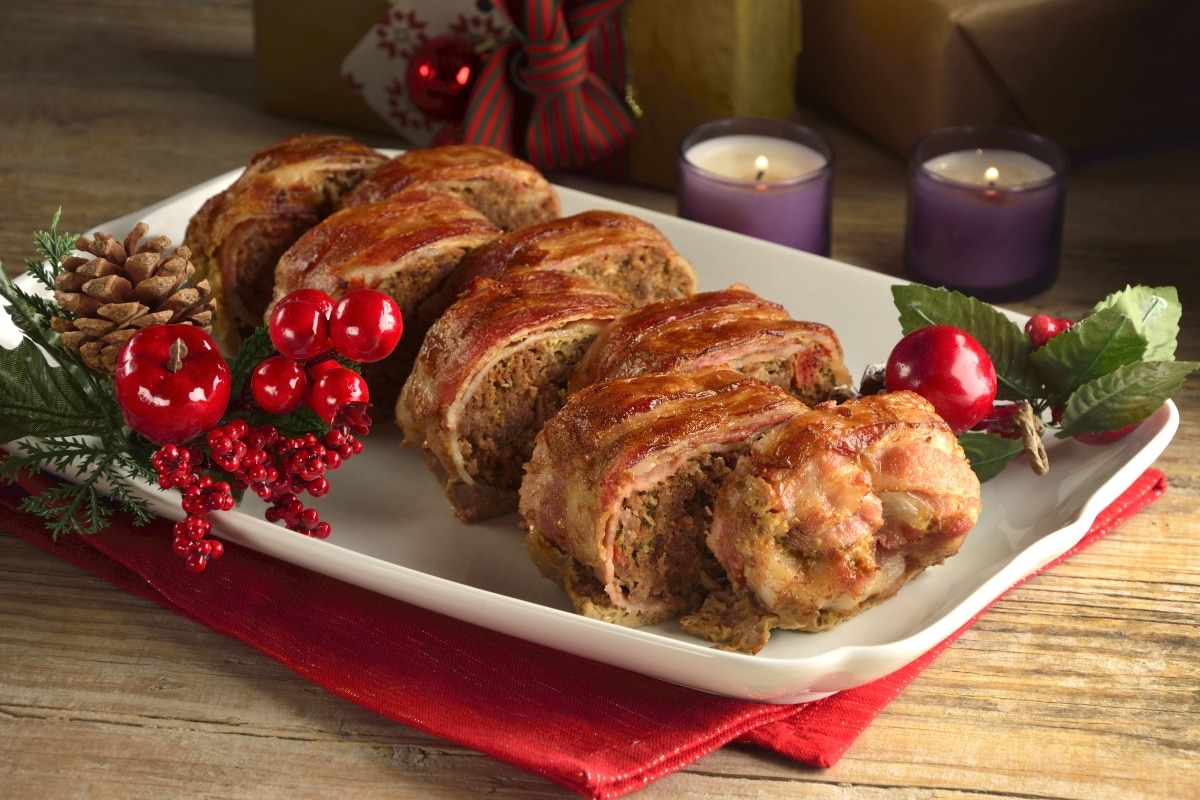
[1083, 683]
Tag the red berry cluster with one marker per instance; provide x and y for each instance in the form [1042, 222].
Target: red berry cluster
[308, 330]
[276, 468]
[181, 468]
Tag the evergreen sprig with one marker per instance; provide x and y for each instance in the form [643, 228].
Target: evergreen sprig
[61, 414]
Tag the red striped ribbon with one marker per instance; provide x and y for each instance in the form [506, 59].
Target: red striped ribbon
[552, 96]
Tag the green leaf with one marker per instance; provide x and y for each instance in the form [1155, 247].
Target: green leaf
[1155, 312]
[37, 399]
[253, 350]
[1123, 397]
[1003, 339]
[989, 453]
[1095, 346]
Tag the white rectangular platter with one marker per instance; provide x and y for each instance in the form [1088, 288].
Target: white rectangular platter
[393, 532]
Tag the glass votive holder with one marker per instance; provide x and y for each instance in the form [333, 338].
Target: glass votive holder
[767, 178]
[985, 211]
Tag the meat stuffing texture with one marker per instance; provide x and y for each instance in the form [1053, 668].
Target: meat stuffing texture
[492, 370]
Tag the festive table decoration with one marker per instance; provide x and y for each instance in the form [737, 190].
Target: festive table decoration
[1097, 378]
[115, 375]
[768, 178]
[985, 211]
[541, 79]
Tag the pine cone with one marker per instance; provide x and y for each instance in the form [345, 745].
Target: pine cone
[123, 287]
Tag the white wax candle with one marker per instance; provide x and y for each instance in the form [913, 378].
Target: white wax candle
[740, 157]
[1001, 169]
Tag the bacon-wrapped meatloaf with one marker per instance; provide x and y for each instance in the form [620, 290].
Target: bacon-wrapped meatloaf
[617, 496]
[238, 235]
[628, 256]
[732, 328]
[404, 246]
[490, 373]
[510, 192]
[832, 513]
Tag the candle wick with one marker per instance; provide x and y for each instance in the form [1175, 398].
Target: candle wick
[760, 167]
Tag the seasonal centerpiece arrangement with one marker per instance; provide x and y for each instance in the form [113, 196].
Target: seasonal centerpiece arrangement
[1000, 385]
[117, 376]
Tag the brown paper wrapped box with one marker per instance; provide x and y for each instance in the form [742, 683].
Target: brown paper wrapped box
[1092, 74]
[689, 61]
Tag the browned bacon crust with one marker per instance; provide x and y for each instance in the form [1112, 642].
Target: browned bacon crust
[617, 494]
[490, 373]
[732, 328]
[404, 246]
[238, 235]
[510, 192]
[628, 256]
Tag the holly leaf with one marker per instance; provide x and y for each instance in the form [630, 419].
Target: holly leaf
[1123, 397]
[1003, 339]
[37, 399]
[1155, 313]
[989, 453]
[1094, 346]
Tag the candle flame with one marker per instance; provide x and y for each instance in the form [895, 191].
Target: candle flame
[760, 167]
[991, 175]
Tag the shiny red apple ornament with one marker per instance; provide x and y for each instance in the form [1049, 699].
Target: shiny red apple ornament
[172, 383]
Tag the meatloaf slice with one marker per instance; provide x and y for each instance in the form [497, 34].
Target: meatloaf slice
[238, 234]
[491, 371]
[404, 246]
[832, 513]
[618, 495]
[626, 255]
[733, 328]
[510, 192]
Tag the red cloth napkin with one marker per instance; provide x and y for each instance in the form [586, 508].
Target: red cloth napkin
[598, 730]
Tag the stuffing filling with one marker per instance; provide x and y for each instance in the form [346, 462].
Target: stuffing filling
[660, 557]
[515, 399]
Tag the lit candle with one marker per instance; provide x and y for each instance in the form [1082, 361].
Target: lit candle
[985, 211]
[995, 169]
[766, 178]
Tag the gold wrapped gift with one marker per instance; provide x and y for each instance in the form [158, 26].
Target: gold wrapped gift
[1091, 74]
[689, 61]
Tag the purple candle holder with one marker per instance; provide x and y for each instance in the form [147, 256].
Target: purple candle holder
[985, 211]
[787, 202]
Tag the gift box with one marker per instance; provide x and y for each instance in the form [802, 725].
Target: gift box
[683, 62]
[1091, 74]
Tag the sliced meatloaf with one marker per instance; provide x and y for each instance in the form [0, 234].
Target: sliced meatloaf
[510, 192]
[491, 371]
[618, 495]
[732, 328]
[404, 246]
[238, 235]
[628, 256]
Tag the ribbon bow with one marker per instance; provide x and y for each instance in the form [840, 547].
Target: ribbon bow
[555, 82]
